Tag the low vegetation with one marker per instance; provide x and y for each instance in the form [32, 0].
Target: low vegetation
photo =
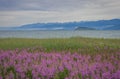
[65, 58]
[80, 45]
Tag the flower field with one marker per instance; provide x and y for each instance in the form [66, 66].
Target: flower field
[22, 64]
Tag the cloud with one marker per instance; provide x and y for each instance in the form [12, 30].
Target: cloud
[61, 5]
[19, 12]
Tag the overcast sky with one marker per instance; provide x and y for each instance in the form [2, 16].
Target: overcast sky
[20, 12]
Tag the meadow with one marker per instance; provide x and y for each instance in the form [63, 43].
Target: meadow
[74, 44]
[63, 58]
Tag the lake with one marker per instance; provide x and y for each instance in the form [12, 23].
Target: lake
[58, 34]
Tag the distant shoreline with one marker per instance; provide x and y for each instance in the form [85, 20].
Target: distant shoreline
[59, 34]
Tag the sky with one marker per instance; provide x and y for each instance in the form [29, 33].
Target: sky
[14, 13]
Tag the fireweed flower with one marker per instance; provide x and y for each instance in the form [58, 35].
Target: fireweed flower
[40, 65]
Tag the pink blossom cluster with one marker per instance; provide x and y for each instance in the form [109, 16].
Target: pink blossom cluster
[16, 64]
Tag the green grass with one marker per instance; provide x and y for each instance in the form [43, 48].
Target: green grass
[77, 44]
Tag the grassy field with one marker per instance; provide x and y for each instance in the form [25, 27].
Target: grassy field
[65, 58]
[76, 44]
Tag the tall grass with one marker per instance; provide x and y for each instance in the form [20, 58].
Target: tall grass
[76, 44]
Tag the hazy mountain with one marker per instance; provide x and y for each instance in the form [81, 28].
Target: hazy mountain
[115, 27]
[113, 24]
[84, 28]
[99, 25]
[51, 26]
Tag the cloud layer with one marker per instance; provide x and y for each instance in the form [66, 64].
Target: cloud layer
[19, 12]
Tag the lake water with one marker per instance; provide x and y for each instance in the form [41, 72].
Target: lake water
[58, 34]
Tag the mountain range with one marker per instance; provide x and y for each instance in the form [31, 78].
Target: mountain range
[113, 24]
